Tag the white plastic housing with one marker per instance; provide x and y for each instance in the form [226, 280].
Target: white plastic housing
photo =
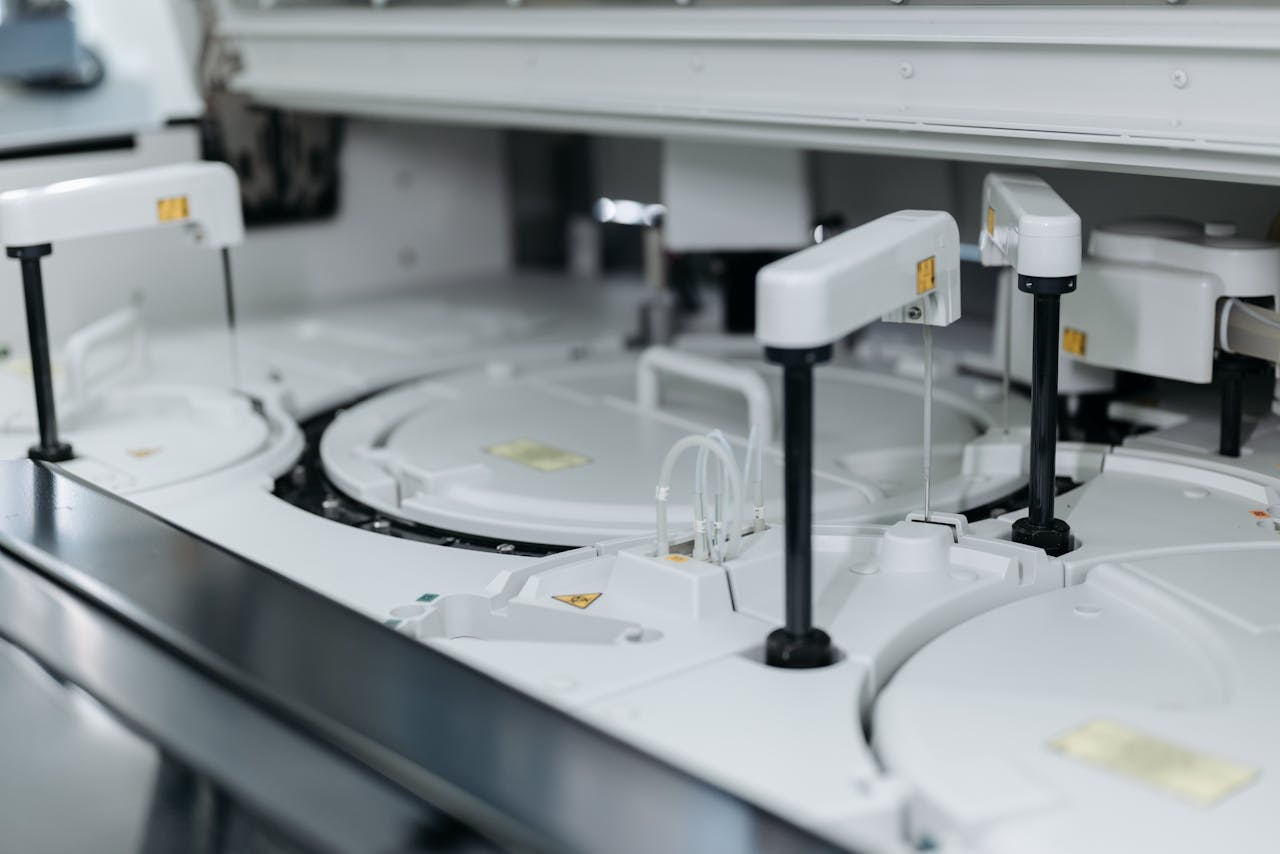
[1027, 226]
[1149, 293]
[203, 198]
[823, 293]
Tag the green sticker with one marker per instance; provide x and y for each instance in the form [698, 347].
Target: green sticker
[428, 597]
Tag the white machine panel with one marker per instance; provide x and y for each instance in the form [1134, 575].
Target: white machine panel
[1130, 713]
[1161, 88]
[1149, 294]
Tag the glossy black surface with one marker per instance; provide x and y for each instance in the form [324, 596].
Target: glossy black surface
[518, 770]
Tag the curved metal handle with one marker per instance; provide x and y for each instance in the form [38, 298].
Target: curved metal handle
[656, 361]
[121, 326]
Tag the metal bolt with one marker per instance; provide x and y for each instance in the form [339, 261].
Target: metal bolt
[380, 525]
[915, 313]
[1180, 79]
[906, 69]
[505, 549]
[330, 506]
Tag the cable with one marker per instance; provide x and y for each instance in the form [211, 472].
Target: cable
[722, 486]
[753, 474]
[663, 491]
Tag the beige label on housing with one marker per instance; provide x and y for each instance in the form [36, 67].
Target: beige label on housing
[536, 455]
[1203, 780]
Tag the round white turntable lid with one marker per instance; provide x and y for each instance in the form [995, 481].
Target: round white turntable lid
[567, 456]
[131, 439]
[1133, 712]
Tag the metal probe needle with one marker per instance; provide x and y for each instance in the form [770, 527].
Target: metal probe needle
[928, 412]
[229, 293]
[1007, 286]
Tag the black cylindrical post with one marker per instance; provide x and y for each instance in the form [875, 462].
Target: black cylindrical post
[797, 384]
[49, 448]
[1040, 528]
[1231, 424]
[1044, 407]
[798, 644]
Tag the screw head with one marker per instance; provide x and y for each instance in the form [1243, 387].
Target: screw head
[915, 313]
[1181, 78]
[906, 69]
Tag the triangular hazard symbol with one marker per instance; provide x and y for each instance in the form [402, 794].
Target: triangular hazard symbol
[578, 600]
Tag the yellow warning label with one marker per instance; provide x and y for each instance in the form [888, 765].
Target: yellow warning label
[1073, 341]
[925, 275]
[991, 221]
[578, 600]
[172, 209]
[1201, 779]
[676, 558]
[536, 455]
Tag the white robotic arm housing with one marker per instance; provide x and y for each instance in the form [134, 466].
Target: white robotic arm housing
[202, 198]
[881, 270]
[1028, 227]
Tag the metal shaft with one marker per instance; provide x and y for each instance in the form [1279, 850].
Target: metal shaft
[798, 493]
[1006, 374]
[1044, 408]
[49, 448]
[928, 417]
[229, 293]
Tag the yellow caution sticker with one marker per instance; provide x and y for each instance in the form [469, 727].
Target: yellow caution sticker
[536, 455]
[676, 558]
[578, 600]
[926, 272]
[991, 221]
[1073, 341]
[173, 209]
[1195, 777]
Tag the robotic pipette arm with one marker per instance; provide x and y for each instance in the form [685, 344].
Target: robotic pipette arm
[901, 267]
[203, 199]
[882, 270]
[1027, 226]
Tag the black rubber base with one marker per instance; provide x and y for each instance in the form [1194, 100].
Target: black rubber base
[59, 453]
[1054, 539]
[813, 649]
